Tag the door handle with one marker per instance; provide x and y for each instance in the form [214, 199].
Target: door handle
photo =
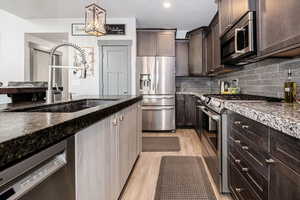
[121, 118]
[157, 77]
[114, 122]
[270, 161]
[157, 109]
[213, 116]
[237, 30]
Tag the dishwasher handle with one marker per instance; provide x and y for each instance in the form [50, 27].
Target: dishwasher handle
[20, 188]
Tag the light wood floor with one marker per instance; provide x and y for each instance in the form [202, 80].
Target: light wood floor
[142, 183]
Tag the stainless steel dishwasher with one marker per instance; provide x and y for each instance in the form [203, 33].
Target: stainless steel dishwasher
[48, 175]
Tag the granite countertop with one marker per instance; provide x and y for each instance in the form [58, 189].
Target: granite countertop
[24, 89]
[23, 133]
[283, 117]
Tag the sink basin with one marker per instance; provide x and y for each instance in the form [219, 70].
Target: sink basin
[68, 107]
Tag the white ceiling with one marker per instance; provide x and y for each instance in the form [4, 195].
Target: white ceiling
[183, 14]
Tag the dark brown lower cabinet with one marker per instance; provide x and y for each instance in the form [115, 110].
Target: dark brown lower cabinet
[284, 182]
[190, 110]
[186, 110]
[180, 110]
[285, 170]
[268, 170]
[239, 186]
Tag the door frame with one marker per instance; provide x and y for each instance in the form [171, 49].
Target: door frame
[103, 43]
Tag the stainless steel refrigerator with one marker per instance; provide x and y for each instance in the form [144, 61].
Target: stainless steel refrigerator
[157, 85]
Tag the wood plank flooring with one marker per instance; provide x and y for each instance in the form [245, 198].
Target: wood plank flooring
[142, 183]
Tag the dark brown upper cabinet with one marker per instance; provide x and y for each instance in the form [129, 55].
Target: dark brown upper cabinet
[230, 11]
[225, 15]
[211, 49]
[279, 26]
[196, 63]
[182, 57]
[156, 43]
[206, 53]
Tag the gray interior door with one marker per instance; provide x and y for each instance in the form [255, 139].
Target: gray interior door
[116, 70]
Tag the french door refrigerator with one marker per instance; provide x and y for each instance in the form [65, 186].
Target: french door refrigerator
[157, 85]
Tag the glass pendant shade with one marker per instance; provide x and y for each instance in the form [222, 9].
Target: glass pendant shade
[95, 20]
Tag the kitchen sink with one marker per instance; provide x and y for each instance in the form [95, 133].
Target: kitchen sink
[66, 107]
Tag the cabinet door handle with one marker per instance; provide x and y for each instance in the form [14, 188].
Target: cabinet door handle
[245, 169]
[245, 126]
[237, 141]
[270, 161]
[238, 189]
[115, 122]
[237, 161]
[121, 118]
[237, 122]
[245, 147]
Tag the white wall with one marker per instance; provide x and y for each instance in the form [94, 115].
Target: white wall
[181, 34]
[12, 40]
[29, 37]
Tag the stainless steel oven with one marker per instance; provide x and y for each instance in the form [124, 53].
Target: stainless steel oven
[238, 45]
[214, 134]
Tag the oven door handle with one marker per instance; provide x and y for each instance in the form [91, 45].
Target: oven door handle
[210, 114]
[236, 31]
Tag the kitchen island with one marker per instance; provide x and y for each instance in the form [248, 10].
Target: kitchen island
[107, 140]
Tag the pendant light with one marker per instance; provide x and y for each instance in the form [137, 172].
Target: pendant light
[95, 20]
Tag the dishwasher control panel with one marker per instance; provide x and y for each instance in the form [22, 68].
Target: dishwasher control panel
[23, 186]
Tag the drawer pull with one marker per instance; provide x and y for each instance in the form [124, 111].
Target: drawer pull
[121, 118]
[239, 189]
[237, 122]
[270, 161]
[245, 127]
[237, 141]
[245, 147]
[237, 161]
[245, 169]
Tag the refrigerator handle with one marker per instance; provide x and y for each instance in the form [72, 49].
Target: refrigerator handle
[156, 74]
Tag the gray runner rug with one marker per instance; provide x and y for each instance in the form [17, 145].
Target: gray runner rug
[183, 178]
[160, 144]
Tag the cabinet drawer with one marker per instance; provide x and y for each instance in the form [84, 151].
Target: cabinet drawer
[257, 157]
[253, 177]
[254, 131]
[286, 149]
[157, 118]
[239, 186]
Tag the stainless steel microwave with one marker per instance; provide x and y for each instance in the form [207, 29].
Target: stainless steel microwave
[238, 45]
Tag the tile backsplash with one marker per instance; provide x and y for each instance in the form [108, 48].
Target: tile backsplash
[264, 78]
[194, 84]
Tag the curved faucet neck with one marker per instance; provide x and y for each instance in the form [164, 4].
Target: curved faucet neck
[49, 96]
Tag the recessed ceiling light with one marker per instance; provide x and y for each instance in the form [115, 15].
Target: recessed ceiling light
[167, 4]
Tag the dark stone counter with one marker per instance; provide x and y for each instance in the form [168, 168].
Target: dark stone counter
[23, 134]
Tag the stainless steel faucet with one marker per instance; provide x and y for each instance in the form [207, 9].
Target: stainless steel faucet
[49, 97]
